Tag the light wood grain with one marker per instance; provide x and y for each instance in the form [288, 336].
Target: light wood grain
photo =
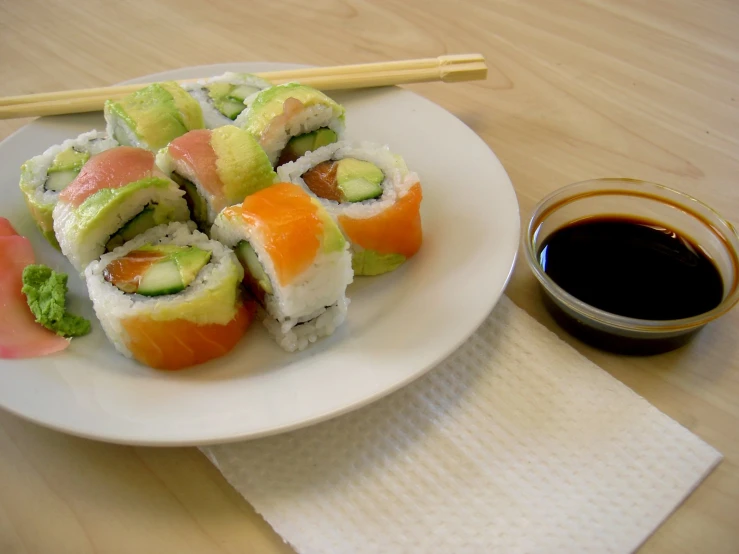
[576, 89]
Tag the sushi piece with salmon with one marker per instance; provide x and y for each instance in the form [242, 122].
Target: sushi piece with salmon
[153, 116]
[223, 98]
[216, 168]
[375, 199]
[45, 176]
[170, 298]
[296, 262]
[292, 119]
[118, 194]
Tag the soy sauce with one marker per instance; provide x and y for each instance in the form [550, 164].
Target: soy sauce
[632, 268]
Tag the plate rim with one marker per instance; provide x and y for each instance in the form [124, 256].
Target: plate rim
[323, 416]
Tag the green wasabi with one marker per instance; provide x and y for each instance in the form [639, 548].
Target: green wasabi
[46, 291]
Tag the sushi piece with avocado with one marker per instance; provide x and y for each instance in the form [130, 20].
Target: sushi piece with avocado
[223, 98]
[45, 176]
[153, 117]
[216, 168]
[170, 298]
[118, 194]
[290, 120]
[375, 199]
[296, 262]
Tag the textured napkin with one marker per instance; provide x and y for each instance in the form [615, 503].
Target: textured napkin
[514, 444]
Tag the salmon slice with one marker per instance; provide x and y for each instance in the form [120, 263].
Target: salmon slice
[20, 335]
[6, 229]
[321, 180]
[179, 343]
[126, 272]
[111, 169]
[290, 227]
[396, 230]
[194, 150]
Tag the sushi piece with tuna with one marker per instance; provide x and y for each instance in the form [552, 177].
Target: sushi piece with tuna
[45, 176]
[375, 199]
[117, 195]
[153, 116]
[170, 298]
[291, 119]
[216, 169]
[223, 98]
[296, 262]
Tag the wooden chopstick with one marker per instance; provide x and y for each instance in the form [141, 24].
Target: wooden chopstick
[452, 68]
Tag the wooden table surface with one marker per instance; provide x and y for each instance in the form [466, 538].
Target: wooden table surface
[576, 89]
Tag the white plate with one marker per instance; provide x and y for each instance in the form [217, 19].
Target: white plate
[399, 325]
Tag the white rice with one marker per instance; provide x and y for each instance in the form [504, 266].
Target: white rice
[211, 116]
[35, 171]
[81, 244]
[398, 180]
[310, 307]
[204, 301]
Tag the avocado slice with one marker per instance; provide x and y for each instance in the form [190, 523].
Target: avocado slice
[195, 201]
[323, 137]
[190, 262]
[358, 180]
[64, 169]
[370, 262]
[69, 160]
[248, 258]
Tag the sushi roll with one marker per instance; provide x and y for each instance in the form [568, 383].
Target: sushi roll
[153, 116]
[222, 98]
[117, 195]
[373, 196]
[44, 176]
[290, 120]
[216, 169]
[296, 262]
[170, 298]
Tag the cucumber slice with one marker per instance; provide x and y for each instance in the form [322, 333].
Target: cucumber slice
[161, 278]
[356, 190]
[142, 222]
[197, 204]
[242, 92]
[301, 144]
[248, 258]
[231, 108]
[58, 181]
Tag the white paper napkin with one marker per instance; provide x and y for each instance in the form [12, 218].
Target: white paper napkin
[515, 444]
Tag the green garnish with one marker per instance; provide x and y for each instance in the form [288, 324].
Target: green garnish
[46, 292]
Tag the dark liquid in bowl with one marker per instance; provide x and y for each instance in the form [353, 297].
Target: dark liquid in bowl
[632, 268]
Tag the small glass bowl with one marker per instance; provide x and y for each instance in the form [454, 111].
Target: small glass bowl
[636, 199]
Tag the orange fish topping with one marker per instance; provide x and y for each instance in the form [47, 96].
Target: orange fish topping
[290, 226]
[179, 343]
[396, 230]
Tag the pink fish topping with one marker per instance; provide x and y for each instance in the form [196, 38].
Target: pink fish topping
[20, 335]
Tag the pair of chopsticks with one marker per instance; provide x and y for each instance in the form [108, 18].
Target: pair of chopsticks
[449, 69]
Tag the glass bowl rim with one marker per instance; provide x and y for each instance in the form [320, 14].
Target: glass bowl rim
[549, 204]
